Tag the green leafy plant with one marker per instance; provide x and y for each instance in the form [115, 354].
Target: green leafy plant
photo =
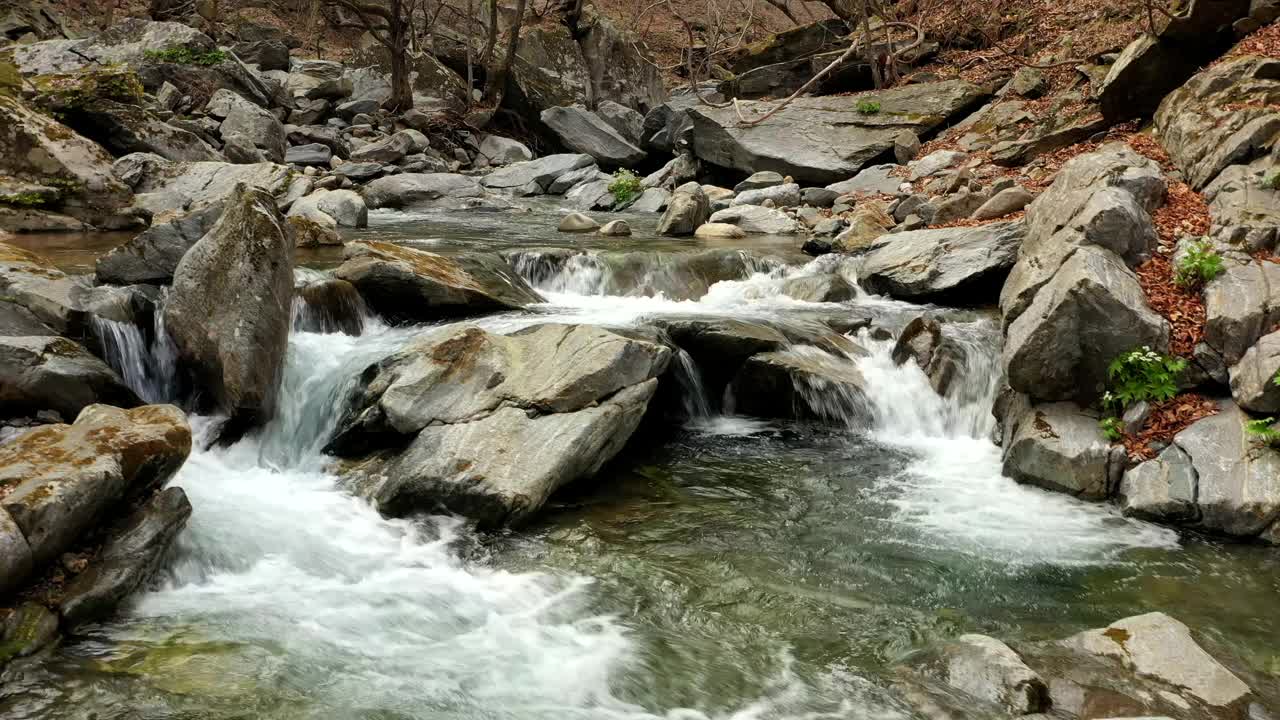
[1263, 430]
[1272, 180]
[868, 107]
[1112, 427]
[183, 55]
[1141, 375]
[626, 185]
[1199, 264]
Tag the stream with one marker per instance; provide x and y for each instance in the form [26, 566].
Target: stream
[739, 569]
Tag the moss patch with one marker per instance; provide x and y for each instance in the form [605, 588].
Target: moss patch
[70, 92]
[183, 55]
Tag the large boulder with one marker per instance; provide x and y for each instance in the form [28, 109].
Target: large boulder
[535, 176]
[333, 208]
[824, 140]
[170, 189]
[37, 149]
[1253, 379]
[1224, 115]
[498, 150]
[228, 312]
[404, 284]
[142, 45]
[1091, 311]
[757, 220]
[61, 480]
[1059, 447]
[1214, 477]
[686, 211]
[585, 132]
[549, 71]
[965, 266]
[420, 191]
[1241, 305]
[128, 560]
[1245, 211]
[53, 373]
[617, 70]
[318, 80]
[153, 255]
[249, 121]
[1067, 216]
[495, 423]
[436, 87]
[50, 295]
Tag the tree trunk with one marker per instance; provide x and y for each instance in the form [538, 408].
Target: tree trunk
[398, 34]
[487, 56]
[496, 78]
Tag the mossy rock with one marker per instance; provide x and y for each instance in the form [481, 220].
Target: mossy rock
[27, 631]
[10, 78]
[69, 92]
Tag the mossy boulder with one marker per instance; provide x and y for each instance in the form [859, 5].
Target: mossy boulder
[37, 149]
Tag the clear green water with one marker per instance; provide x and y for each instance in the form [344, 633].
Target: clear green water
[737, 569]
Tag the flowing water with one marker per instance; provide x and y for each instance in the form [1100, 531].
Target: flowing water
[740, 569]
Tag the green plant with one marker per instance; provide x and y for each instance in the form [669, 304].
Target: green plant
[868, 107]
[626, 185]
[1263, 430]
[183, 55]
[1112, 427]
[1272, 180]
[1200, 263]
[1141, 375]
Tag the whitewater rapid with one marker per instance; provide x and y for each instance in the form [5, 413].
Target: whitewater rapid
[406, 617]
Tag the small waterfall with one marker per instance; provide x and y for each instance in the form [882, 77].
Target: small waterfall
[823, 392]
[696, 407]
[954, 491]
[148, 369]
[558, 272]
[330, 306]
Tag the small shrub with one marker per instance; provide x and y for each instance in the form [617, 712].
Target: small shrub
[183, 55]
[868, 107]
[1142, 375]
[625, 186]
[1272, 180]
[1263, 430]
[1112, 427]
[1198, 265]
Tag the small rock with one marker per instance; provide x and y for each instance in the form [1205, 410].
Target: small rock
[614, 228]
[577, 222]
[905, 147]
[719, 230]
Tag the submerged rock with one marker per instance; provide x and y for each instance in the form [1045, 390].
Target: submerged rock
[64, 479]
[128, 560]
[228, 311]
[496, 423]
[407, 285]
